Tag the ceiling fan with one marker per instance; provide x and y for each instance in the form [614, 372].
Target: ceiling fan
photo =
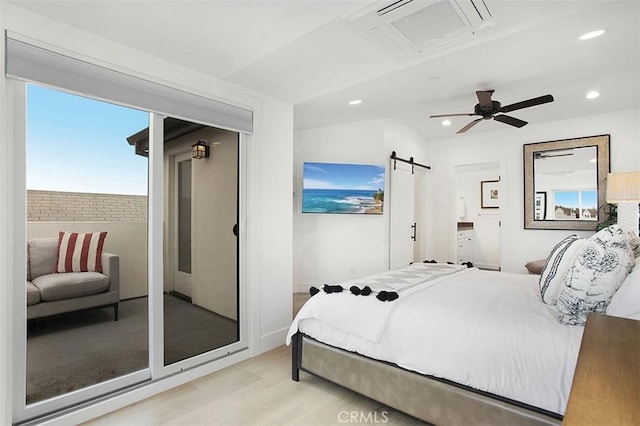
[488, 109]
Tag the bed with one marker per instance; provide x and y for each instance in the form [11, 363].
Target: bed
[413, 353]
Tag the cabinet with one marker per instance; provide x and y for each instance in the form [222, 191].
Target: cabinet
[465, 246]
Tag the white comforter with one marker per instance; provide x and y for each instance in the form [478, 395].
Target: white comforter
[487, 330]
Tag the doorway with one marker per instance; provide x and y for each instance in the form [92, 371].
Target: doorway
[477, 223]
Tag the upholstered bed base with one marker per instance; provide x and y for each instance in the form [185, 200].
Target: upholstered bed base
[433, 400]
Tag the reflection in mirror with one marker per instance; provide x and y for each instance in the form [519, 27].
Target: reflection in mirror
[86, 323]
[564, 183]
[201, 249]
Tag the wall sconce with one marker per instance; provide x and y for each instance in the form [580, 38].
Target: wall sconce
[624, 189]
[200, 150]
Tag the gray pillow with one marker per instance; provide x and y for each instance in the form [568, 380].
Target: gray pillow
[598, 271]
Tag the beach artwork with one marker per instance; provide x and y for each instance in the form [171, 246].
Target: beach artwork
[342, 188]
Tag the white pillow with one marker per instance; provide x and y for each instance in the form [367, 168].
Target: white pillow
[597, 272]
[555, 269]
[626, 301]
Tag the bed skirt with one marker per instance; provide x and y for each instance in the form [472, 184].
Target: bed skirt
[430, 399]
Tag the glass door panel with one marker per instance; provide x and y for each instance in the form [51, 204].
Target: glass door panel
[86, 320]
[201, 312]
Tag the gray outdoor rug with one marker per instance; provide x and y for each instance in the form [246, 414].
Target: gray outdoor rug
[74, 351]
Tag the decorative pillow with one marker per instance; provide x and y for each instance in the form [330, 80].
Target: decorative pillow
[535, 266]
[555, 269]
[598, 271]
[626, 301]
[80, 252]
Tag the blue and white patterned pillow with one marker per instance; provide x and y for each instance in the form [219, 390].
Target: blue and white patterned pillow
[598, 271]
[555, 269]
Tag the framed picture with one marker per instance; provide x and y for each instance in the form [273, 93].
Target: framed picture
[489, 196]
[540, 206]
[343, 188]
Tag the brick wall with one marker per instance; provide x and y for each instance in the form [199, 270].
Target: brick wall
[54, 206]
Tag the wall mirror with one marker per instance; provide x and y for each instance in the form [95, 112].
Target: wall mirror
[564, 183]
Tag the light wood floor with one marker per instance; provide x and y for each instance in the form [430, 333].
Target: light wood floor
[258, 391]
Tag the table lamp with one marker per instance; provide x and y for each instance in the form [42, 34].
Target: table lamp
[623, 189]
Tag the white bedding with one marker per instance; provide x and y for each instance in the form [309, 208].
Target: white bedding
[487, 330]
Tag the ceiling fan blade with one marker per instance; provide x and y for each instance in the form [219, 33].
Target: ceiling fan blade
[528, 103]
[512, 121]
[484, 97]
[452, 115]
[470, 125]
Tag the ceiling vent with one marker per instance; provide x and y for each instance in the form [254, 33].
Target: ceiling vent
[418, 26]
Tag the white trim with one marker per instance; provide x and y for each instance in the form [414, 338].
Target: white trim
[273, 339]
[156, 244]
[16, 238]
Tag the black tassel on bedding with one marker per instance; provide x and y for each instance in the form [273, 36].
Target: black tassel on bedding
[387, 296]
[364, 291]
[332, 288]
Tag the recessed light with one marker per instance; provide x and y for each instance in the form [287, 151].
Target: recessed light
[593, 94]
[355, 102]
[446, 122]
[591, 34]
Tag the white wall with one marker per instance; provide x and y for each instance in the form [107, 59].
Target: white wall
[518, 245]
[268, 268]
[330, 248]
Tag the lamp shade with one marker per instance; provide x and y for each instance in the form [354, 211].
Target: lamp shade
[623, 187]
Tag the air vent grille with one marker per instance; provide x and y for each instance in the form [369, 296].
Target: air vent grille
[429, 23]
[393, 6]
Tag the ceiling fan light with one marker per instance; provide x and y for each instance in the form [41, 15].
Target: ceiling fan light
[591, 34]
[592, 94]
[446, 122]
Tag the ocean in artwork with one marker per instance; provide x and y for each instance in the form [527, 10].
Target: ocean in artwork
[341, 201]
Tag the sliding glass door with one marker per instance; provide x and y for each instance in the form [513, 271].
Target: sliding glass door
[85, 320]
[87, 165]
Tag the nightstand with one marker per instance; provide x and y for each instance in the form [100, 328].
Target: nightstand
[606, 383]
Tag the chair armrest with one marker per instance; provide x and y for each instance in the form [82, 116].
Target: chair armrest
[111, 268]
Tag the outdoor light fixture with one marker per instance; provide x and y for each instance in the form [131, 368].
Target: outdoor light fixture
[623, 189]
[200, 150]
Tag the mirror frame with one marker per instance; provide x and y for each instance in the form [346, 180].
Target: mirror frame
[601, 142]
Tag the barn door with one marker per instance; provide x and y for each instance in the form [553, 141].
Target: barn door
[402, 231]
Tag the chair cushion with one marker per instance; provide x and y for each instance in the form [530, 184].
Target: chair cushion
[42, 256]
[33, 294]
[70, 284]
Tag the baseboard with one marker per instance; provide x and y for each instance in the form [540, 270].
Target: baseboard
[273, 340]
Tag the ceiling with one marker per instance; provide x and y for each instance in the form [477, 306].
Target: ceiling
[313, 54]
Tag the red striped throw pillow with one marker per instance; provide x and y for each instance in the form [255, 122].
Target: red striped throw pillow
[80, 252]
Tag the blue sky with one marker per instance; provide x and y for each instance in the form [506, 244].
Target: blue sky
[78, 144]
[343, 176]
[570, 199]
